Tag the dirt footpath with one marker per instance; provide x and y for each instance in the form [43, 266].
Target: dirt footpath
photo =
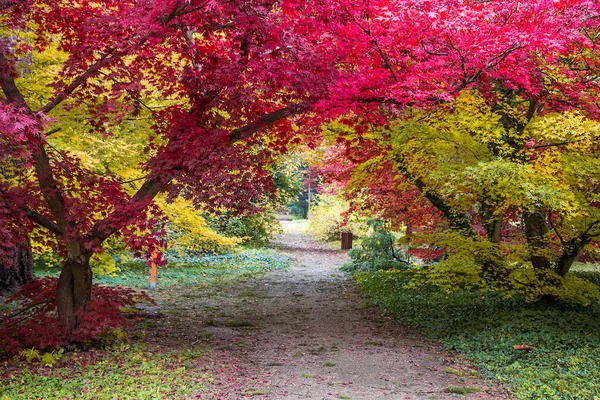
[305, 333]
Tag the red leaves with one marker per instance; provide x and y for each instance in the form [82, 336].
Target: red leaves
[37, 325]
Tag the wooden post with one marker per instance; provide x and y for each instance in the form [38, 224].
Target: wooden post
[154, 270]
[346, 240]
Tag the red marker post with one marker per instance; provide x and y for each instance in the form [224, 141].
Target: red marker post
[153, 270]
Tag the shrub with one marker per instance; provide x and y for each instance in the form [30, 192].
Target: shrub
[254, 229]
[36, 325]
[188, 231]
[377, 251]
[328, 216]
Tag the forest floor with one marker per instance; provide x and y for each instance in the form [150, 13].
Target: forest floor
[305, 333]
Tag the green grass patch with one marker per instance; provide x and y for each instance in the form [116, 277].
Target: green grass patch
[130, 373]
[192, 270]
[484, 327]
[463, 389]
[257, 392]
[453, 371]
[300, 225]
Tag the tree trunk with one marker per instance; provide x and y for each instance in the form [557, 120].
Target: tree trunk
[565, 261]
[17, 274]
[536, 232]
[74, 286]
[492, 222]
[456, 219]
[570, 251]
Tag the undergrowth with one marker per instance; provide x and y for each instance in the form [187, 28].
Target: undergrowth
[30, 319]
[484, 327]
[193, 269]
[123, 373]
[35, 323]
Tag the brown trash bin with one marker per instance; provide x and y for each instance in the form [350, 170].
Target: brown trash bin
[346, 240]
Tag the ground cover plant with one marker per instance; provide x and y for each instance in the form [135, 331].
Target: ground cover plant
[122, 372]
[484, 327]
[192, 269]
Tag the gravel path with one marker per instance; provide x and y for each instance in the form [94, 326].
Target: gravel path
[305, 333]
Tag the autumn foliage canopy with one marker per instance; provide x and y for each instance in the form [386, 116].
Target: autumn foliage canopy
[228, 85]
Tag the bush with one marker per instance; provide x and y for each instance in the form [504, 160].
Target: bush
[189, 232]
[36, 325]
[254, 229]
[483, 327]
[327, 217]
[377, 251]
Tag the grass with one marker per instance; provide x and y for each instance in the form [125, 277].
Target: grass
[464, 390]
[124, 373]
[257, 392]
[193, 270]
[579, 266]
[483, 328]
[300, 225]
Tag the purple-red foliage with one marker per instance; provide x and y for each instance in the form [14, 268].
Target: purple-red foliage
[36, 324]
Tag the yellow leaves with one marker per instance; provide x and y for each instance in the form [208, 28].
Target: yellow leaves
[104, 265]
[569, 129]
[511, 184]
[188, 230]
[534, 284]
[46, 358]
[364, 173]
[37, 75]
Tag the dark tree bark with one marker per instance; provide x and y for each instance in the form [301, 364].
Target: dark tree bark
[536, 231]
[457, 220]
[566, 260]
[491, 222]
[15, 275]
[74, 285]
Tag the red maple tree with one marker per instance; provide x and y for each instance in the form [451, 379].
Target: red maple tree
[235, 69]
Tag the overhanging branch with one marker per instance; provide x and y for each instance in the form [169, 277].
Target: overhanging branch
[43, 221]
[267, 119]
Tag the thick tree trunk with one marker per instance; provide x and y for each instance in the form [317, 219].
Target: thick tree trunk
[570, 251]
[565, 261]
[491, 222]
[74, 286]
[17, 274]
[536, 231]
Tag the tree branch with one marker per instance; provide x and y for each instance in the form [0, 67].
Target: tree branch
[267, 119]
[555, 229]
[43, 221]
[153, 186]
[22, 310]
[106, 227]
[457, 220]
[106, 59]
